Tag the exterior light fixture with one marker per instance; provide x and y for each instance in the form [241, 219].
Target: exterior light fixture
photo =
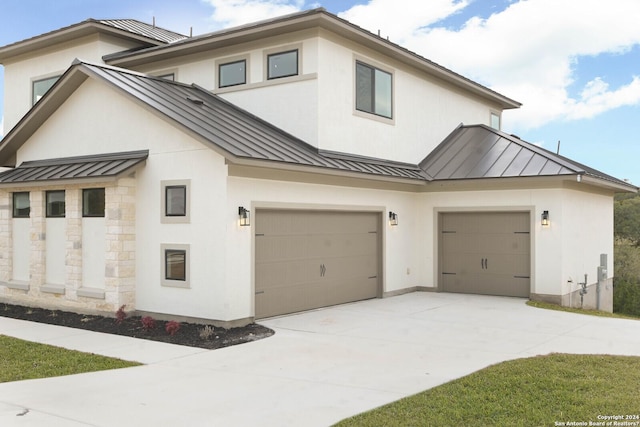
[245, 217]
[545, 219]
[393, 218]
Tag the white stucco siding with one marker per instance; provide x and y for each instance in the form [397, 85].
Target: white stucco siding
[98, 119]
[20, 72]
[587, 222]
[402, 251]
[425, 110]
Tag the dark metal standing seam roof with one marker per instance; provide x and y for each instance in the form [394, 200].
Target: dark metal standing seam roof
[98, 166]
[150, 31]
[238, 133]
[479, 151]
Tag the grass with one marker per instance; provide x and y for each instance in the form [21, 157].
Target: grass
[557, 307]
[22, 360]
[537, 391]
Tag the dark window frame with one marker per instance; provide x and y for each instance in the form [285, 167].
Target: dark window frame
[244, 73]
[15, 213]
[167, 200]
[87, 213]
[48, 204]
[284, 52]
[167, 253]
[371, 109]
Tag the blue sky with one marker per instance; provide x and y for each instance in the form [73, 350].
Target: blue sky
[574, 64]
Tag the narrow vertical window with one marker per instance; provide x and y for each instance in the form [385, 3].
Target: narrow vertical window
[55, 204]
[93, 202]
[175, 264]
[176, 200]
[21, 205]
[495, 121]
[374, 92]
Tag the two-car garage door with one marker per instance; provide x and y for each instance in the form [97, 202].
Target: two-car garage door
[485, 253]
[311, 259]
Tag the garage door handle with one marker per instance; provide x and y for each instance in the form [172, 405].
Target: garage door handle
[486, 263]
[323, 270]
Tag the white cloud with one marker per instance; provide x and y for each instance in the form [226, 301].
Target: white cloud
[528, 51]
[229, 13]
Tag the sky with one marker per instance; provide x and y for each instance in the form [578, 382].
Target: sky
[573, 64]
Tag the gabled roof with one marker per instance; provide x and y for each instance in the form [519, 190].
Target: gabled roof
[235, 133]
[148, 35]
[478, 151]
[98, 166]
[305, 20]
[468, 153]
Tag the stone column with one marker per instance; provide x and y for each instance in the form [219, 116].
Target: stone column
[38, 240]
[73, 207]
[6, 242]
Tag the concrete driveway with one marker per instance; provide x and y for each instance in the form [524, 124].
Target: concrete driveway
[319, 367]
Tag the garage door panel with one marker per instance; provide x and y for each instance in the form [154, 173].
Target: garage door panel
[311, 259]
[485, 253]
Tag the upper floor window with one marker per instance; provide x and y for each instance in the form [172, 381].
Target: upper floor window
[93, 202]
[175, 201]
[55, 204]
[21, 205]
[40, 87]
[373, 90]
[232, 73]
[495, 121]
[282, 64]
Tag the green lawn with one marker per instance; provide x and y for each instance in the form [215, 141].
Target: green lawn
[557, 307]
[537, 391]
[21, 360]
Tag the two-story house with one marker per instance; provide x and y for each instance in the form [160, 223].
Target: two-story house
[281, 166]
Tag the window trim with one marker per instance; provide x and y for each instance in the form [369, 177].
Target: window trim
[175, 283]
[279, 51]
[42, 79]
[46, 203]
[175, 219]
[373, 66]
[84, 191]
[13, 205]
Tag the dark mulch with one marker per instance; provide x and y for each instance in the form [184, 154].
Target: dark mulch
[189, 334]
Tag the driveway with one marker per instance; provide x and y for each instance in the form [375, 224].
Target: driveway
[319, 367]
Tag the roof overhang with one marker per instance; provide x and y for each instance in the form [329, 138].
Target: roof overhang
[93, 168]
[315, 18]
[71, 33]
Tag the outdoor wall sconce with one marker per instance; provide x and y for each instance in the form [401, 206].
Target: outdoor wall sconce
[245, 217]
[393, 218]
[545, 219]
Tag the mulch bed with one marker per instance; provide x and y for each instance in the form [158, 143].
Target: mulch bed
[189, 334]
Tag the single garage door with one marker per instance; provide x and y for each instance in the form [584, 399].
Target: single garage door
[311, 259]
[485, 253]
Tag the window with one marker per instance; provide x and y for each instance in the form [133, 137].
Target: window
[175, 201]
[21, 205]
[282, 64]
[40, 87]
[373, 90]
[175, 265]
[55, 204]
[93, 202]
[232, 73]
[495, 121]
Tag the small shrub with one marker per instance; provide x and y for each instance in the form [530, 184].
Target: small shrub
[206, 332]
[148, 323]
[120, 314]
[172, 327]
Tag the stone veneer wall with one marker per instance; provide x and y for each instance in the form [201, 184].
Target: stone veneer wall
[120, 250]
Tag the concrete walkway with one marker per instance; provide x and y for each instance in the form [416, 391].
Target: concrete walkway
[319, 367]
